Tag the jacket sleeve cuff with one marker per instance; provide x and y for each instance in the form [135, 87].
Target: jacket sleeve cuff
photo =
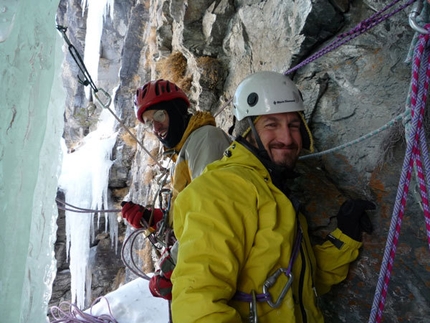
[340, 240]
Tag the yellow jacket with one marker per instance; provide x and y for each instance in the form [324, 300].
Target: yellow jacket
[235, 229]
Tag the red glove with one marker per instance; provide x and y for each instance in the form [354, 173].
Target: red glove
[166, 264]
[160, 286]
[134, 213]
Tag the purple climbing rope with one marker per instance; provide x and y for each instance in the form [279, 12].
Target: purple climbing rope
[415, 152]
[343, 38]
[361, 28]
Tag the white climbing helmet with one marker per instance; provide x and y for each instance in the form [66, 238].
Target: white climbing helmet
[266, 93]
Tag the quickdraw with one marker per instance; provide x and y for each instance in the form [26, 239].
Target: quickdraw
[78, 59]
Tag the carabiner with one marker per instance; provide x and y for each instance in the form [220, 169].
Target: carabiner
[271, 281]
[253, 317]
[415, 12]
[107, 97]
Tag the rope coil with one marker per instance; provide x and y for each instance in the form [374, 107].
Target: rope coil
[75, 315]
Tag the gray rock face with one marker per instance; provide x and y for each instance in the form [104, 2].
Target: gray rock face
[349, 92]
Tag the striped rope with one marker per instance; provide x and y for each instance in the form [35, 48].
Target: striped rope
[421, 153]
[425, 153]
[419, 88]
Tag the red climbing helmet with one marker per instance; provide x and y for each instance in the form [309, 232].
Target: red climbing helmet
[155, 92]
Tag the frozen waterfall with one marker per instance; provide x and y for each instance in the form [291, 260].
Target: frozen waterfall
[85, 172]
[84, 180]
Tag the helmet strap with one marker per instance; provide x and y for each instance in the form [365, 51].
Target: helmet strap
[230, 130]
[260, 145]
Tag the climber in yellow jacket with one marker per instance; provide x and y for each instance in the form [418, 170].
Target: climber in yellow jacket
[245, 254]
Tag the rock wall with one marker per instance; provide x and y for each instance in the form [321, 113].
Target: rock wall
[208, 47]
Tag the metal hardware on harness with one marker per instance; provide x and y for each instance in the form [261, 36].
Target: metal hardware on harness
[272, 280]
[253, 317]
[415, 12]
[164, 223]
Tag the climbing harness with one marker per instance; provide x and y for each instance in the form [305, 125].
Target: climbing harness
[266, 296]
[87, 80]
[416, 156]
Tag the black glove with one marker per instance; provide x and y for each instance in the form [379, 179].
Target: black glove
[352, 219]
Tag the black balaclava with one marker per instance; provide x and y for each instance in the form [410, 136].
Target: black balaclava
[178, 120]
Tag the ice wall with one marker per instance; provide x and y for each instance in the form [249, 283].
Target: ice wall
[31, 123]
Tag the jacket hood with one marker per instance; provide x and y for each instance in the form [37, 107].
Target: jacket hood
[199, 119]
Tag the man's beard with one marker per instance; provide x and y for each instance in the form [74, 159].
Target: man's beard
[287, 160]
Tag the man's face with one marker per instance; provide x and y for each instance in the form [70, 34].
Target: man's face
[157, 121]
[280, 135]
